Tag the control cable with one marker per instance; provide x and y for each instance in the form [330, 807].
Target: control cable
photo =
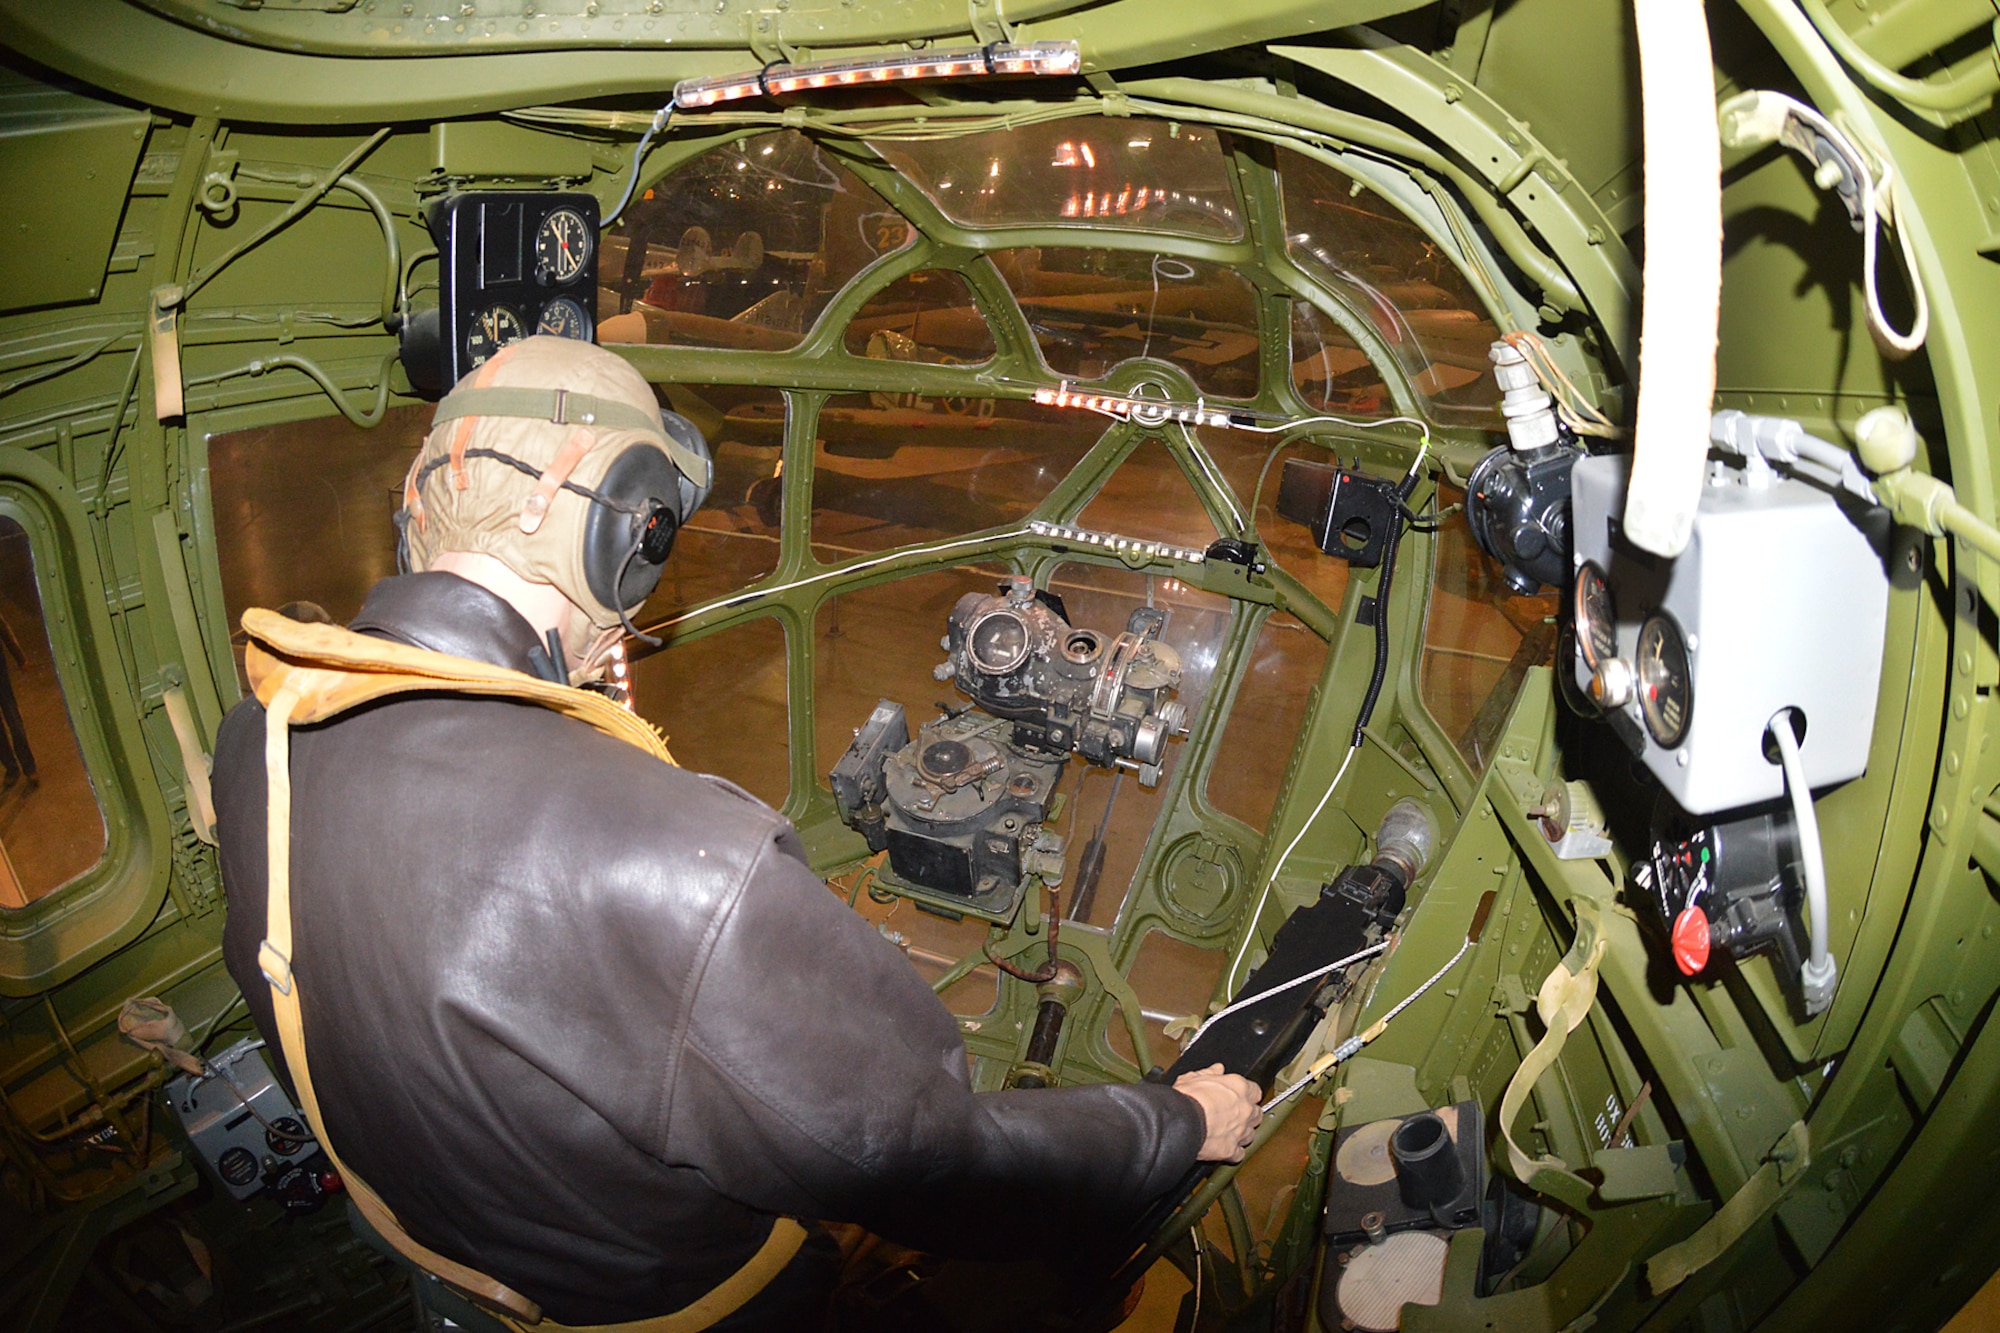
[1347, 1049]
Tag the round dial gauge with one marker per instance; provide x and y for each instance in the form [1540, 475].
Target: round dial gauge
[238, 1166]
[562, 246]
[1596, 620]
[286, 1136]
[492, 329]
[564, 318]
[1666, 684]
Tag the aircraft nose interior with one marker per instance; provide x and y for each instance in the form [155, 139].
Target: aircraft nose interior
[1436, 557]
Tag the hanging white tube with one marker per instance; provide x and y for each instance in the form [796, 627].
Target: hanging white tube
[1683, 273]
[1818, 972]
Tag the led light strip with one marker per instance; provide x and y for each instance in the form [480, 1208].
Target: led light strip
[996, 58]
[1145, 411]
[1112, 542]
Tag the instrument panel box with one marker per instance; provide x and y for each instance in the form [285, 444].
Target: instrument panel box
[512, 264]
[240, 1121]
[1779, 601]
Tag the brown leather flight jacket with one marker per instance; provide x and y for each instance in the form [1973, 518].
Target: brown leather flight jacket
[587, 1022]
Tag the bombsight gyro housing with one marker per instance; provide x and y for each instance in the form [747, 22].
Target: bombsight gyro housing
[960, 809]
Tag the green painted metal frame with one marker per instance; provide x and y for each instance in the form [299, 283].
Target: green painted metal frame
[147, 536]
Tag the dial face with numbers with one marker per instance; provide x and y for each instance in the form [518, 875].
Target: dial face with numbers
[1596, 619]
[564, 318]
[562, 246]
[490, 330]
[1666, 680]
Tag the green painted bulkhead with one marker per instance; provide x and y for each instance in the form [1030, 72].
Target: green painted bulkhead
[259, 173]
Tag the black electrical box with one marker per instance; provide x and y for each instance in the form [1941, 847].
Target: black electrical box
[1351, 514]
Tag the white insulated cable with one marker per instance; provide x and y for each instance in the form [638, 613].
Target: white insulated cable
[1818, 973]
[1250, 932]
[1301, 980]
[1683, 273]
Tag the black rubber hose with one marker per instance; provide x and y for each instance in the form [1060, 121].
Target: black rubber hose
[1382, 586]
[1381, 672]
[1042, 1043]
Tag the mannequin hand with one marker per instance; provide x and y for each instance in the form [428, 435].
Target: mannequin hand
[1228, 1110]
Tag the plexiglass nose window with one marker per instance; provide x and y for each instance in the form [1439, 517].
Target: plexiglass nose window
[51, 828]
[1395, 276]
[1091, 309]
[741, 247]
[1081, 171]
[928, 316]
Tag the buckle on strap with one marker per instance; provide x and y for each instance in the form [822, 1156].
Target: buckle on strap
[277, 968]
[585, 416]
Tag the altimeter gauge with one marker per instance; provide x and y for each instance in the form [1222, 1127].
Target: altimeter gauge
[492, 329]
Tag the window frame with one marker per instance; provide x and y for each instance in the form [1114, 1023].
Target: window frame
[106, 907]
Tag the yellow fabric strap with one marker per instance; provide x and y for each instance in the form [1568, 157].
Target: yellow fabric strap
[1563, 1002]
[1761, 1193]
[306, 673]
[736, 1289]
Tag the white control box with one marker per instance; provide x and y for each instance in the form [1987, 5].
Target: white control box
[1780, 601]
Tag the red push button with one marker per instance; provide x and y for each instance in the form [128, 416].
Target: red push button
[1691, 941]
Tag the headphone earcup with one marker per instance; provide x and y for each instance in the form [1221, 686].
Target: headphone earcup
[622, 559]
[686, 434]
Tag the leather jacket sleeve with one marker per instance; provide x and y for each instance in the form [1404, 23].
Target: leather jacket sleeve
[847, 1093]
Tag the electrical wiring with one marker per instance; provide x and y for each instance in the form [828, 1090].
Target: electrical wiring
[1229, 978]
[1818, 972]
[846, 571]
[88, 354]
[115, 443]
[393, 304]
[1361, 717]
[1758, 117]
[369, 416]
[1576, 411]
[1877, 187]
[1194, 1319]
[1299, 423]
[659, 123]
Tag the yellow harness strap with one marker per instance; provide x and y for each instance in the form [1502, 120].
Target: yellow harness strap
[306, 673]
[1563, 1002]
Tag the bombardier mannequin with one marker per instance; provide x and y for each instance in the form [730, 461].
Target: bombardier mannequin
[583, 1026]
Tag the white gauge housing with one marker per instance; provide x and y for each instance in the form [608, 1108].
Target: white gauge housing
[1782, 603]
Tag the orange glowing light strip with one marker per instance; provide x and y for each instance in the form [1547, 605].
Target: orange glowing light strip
[997, 58]
[1147, 411]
